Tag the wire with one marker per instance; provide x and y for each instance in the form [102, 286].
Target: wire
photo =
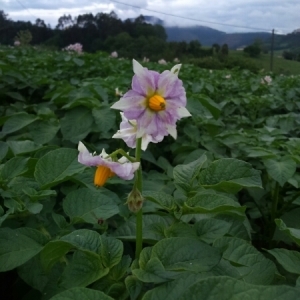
[26, 9]
[191, 19]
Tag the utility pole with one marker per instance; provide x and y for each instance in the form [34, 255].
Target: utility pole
[272, 51]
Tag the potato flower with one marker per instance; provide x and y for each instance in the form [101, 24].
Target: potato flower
[156, 102]
[106, 167]
[128, 131]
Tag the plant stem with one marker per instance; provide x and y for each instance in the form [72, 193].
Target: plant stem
[139, 215]
[275, 202]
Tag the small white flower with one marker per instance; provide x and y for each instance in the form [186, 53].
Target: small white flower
[162, 62]
[114, 54]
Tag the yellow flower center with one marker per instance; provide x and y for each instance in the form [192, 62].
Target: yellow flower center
[101, 175]
[157, 103]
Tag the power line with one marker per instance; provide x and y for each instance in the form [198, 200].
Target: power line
[26, 9]
[191, 19]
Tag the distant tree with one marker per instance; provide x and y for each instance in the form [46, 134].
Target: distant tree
[216, 47]
[194, 48]
[40, 23]
[224, 50]
[64, 22]
[253, 50]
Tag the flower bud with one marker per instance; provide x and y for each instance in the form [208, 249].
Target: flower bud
[135, 200]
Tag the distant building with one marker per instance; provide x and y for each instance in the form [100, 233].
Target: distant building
[241, 48]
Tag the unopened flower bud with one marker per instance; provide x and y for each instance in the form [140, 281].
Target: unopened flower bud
[135, 200]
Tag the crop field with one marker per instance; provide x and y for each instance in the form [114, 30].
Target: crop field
[212, 213]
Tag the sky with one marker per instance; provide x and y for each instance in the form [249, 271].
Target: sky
[281, 15]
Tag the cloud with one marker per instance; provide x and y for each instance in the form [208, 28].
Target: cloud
[265, 14]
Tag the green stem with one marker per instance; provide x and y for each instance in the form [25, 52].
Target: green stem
[274, 211]
[139, 215]
[122, 152]
[275, 202]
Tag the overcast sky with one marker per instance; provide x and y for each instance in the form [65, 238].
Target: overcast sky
[282, 15]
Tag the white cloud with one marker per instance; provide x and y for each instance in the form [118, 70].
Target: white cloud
[266, 14]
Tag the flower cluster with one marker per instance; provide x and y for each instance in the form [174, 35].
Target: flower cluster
[17, 43]
[114, 54]
[150, 110]
[266, 79]
[74, 48]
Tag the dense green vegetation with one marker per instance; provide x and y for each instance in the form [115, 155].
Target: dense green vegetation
[221, 216]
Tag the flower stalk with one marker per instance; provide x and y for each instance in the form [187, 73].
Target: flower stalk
[139, 215]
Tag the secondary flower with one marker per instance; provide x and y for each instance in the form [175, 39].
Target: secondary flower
[162, 62]
[156, 101]
[106, 167]
[74, 48]
[128, 130]
[17, 43]
[114, 54]
[266, 79]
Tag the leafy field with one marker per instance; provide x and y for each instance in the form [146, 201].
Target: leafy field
[280, 65]
[222, 202]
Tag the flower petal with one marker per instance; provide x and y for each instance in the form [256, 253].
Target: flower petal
[183, 112]
[172, 131]
[175, 70]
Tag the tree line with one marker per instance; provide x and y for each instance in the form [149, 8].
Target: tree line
[106, 32]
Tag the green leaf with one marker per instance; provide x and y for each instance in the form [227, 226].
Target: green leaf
[164, 200]
[15, 249]
[22, 147]
[76, 124]
[33, 274]
[53, 252]
[127, 230]
[252, 266]
[78, 62]
[293, 233]
[105, 118]
[16, 96]
[154, 272]
[14, 167]
[57, 166]
[211, 202]
[38, 195]
[83, 239]
[212, 106]
[281, 170]
[182, 253]
[84, 269]
[81, 294]
[43, 132]
[174, 289]
[180, 229]
[290, 260]
[134, 287]
[3, 150]
[17, 122]
[85, 205]
[230, 175]
[110, 251]
[220, 287]
[185, 175]
[209, 230]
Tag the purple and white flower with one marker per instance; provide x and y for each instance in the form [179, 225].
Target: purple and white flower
[122, 168]
[127, 133]
[156, 102]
